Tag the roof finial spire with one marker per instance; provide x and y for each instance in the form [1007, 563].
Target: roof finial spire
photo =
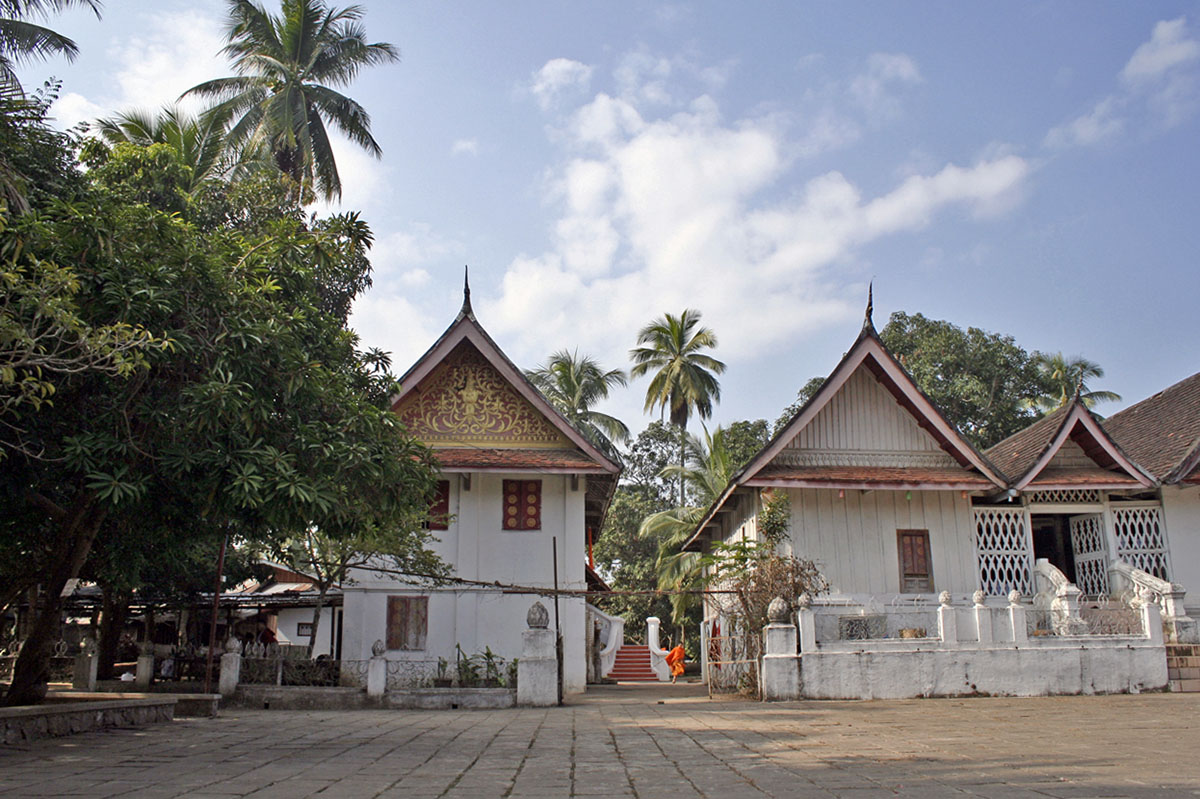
[466, 306]
[867, 320]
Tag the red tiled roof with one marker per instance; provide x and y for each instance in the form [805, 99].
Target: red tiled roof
[1080, 477]
[1016, 454]
[889, 476]
[1160, 432]
[560, 460]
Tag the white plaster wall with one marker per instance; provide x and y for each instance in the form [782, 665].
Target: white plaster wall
[478, 549]
[1032, 671]
[1181, 513]
[853, 538]
[288, 619]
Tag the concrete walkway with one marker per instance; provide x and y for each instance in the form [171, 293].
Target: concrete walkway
[653, 741]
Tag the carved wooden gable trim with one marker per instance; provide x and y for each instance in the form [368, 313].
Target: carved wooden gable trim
[466, 402]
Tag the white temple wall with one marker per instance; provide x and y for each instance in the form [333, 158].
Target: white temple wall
[853, 538]
[1181, 514]
[477, 548]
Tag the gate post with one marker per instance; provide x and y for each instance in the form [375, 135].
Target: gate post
[781, 664]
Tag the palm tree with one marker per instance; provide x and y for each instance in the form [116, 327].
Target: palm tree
[21, 40]
[281, 97]
[1064, 377]
[573, 384]
[685, 378]
[200, 142]
[710, 465]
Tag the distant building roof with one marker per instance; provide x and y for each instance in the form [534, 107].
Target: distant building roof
[1162, 432]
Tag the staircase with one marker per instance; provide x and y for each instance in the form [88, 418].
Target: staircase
[633, 665]
[1183, 667]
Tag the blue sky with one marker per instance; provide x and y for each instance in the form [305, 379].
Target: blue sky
[1028, 168]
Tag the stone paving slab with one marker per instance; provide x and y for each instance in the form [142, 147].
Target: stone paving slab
[665, 741]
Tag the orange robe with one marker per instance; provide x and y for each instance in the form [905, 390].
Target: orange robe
[675, 661]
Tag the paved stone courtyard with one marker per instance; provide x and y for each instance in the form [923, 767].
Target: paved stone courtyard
[644, 742]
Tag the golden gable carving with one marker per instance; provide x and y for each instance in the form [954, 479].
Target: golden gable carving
[464, 401]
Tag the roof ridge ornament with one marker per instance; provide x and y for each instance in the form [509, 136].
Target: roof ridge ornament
[868, 322]
[466, 306]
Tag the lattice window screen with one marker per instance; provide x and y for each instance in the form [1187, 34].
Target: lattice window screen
[1005, 557]
[1091, 554]
[1140, 539]
[1078, 495]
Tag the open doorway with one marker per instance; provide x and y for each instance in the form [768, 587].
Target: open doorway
[1052, 541]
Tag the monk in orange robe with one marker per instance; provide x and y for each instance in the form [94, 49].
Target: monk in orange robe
[675, 661]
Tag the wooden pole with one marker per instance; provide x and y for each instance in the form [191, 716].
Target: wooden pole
[558, 642]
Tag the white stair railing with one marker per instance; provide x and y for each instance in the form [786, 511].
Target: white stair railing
[1167, 595]
[612, 634]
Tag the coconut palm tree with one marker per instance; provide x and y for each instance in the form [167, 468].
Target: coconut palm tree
[281, 97]
[200, 142]
[21, 40]
[684, 376]
[709, 467]
[575, 383]
[1064, 376]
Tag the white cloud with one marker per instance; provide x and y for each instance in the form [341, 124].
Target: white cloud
[406, 252]
[557, 76]
[663, 213]
[1101, 123]
[873, 89]
[395, 324]
[1158, 82]
[181, 50]
[70, 109]
[465, 147]
[1169, 46]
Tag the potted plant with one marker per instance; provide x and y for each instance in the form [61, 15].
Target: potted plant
[467, 668]
[443, 679]
[491, 668]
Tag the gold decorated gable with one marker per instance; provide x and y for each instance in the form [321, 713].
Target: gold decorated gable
[466, 402]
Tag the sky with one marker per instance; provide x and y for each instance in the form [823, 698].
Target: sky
[1029, 168]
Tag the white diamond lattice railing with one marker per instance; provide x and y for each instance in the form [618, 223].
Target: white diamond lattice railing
[1091, 554]
[1140, 539]
[1004, 547]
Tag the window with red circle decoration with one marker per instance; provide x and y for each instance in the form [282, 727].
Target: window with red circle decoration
[522, 505]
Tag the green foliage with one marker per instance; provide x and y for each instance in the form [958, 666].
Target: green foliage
[1065, 377]
[258, 413]
[744, 439]
[281, 99]
[22, 40]
[573, 384]
[805, 393]
[775, 517]
[983, 382]
[684, 378]
[652, 451]
[628, 559]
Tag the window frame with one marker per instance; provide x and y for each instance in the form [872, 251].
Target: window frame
[921, 534]
[395, 639]
[525, 491]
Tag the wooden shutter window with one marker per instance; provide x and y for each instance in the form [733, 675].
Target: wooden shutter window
[407, 622]
[916, 570]
[439, 509]
[522, 505]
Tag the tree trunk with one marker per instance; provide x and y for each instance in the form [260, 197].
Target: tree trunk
[31, 673]
[682, 463]
[114, 610]
[322, 589]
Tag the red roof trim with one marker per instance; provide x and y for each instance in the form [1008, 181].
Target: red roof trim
[1099, 444]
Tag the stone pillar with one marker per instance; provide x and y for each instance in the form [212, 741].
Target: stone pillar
[658, 655]
[231, 668]
[1065, 610]
[87, 666]
[947, 620]
[1016, 617]
[537, 668]
[781, 664]
[1152, 623]
[808, 625]
[144, 675]
[983, 618]
[377, 670]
